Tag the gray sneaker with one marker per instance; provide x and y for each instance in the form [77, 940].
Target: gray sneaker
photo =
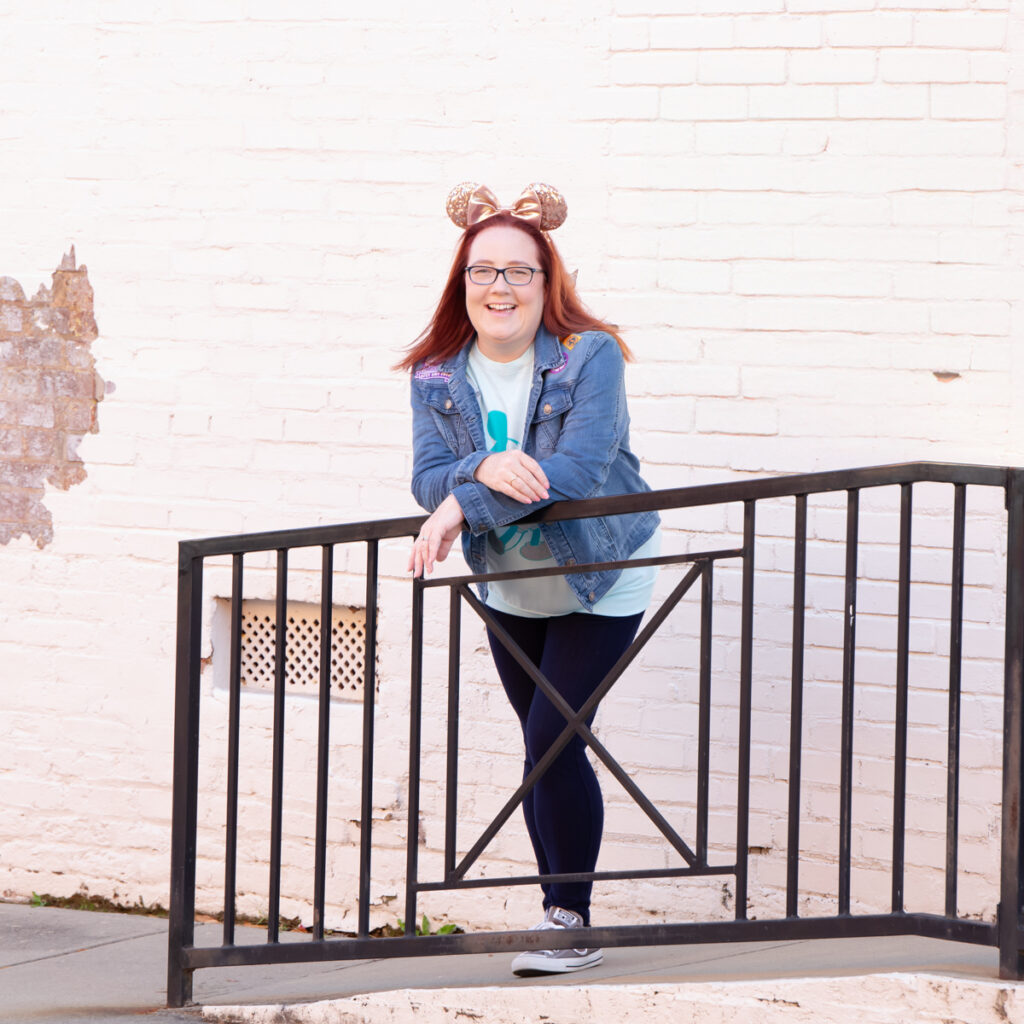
[556, 961]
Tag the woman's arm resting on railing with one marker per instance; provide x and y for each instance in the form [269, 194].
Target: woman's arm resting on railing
[436, 469]
[591, 433]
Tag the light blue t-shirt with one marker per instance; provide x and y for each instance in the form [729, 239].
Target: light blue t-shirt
[503, 391]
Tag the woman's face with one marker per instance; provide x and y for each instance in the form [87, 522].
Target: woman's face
[506, 318]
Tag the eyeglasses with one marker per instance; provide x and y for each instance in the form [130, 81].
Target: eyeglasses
[515, 276]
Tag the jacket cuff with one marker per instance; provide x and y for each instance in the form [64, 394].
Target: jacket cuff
[482, 509]
[466, 468]
[485, 509]
[473, 507]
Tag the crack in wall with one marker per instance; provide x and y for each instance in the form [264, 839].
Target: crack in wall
[49, 392]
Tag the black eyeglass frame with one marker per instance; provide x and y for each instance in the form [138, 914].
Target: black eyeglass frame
[495, 271]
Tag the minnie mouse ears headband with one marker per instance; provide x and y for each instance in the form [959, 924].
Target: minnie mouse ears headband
[541, 205]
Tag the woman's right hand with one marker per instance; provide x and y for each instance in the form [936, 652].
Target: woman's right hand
[436, 537]
[514, 473]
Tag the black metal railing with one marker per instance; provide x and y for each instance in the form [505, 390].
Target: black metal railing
[184, 957]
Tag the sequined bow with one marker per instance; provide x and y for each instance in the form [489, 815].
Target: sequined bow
[539, 204]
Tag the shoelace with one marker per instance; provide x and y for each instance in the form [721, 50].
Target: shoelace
[551, 926]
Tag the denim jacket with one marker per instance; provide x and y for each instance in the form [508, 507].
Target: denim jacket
[579, 433]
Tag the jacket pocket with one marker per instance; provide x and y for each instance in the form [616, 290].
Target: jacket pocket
[547, 420]
[449, 422]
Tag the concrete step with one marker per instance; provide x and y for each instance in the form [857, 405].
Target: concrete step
[74, 967]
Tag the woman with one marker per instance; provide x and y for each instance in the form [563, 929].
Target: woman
[518, 401]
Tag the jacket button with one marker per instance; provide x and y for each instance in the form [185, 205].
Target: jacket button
[447, 403]
[547, 408]
[570, 561]
[591, 597]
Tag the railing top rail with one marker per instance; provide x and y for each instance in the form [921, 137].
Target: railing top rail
[668, 498]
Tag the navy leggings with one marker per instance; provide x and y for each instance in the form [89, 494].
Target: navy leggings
[564, 810]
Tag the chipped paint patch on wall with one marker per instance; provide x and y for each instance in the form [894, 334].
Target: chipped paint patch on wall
[49, 391]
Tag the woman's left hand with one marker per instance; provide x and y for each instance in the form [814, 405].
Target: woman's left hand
[436, 536]
[514, 473]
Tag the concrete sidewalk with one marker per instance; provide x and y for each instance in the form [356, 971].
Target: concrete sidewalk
[73, 967]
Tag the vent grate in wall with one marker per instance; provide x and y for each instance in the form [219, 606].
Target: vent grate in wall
[302, 646]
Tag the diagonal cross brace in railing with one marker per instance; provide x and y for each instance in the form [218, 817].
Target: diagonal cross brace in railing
[576, 720]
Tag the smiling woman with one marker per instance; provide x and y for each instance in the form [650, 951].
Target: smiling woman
[518, 400]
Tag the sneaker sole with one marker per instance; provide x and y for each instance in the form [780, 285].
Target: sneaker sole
[531, 965]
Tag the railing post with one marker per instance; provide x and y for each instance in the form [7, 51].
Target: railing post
[415, 711]
[956, 646]
[451, 788]
[323, 739]
[234, 729]
[1011, 963]
[181, 914]
[846, 726]
[899, 798]
[369, 690]
[796, 712]
[704, 713]
[277, 757]
[746, 701]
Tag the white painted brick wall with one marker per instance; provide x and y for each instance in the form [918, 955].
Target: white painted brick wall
[798, 210]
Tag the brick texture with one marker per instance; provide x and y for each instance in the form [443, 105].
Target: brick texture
[807, 217]
[49, 391]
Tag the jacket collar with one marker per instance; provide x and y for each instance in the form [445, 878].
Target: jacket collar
[547, 353]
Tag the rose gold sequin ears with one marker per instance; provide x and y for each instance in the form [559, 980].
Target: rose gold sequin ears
[538, 203]
[552, 203]
[458, 202]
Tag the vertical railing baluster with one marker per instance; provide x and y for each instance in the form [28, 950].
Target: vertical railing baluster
[704, 712]
[796, 703]
[277, 770]
[746, 677]
[452, 781]
[234, 715]
[1011, 885]
[846, 741]
[956, 633]
[899, 799]
[369, 695]
[323, 739]
[415, 705]
[184, 809]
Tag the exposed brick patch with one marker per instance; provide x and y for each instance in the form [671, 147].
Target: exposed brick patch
[49, 390]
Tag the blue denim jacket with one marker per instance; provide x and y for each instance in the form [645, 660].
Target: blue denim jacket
[579, 433]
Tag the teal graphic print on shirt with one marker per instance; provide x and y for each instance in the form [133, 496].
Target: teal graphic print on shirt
[528, 540]
[497, 427]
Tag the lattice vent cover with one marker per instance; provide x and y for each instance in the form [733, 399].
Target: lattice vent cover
[302, 647]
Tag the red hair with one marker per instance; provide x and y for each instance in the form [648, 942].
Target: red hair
[450, 327]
